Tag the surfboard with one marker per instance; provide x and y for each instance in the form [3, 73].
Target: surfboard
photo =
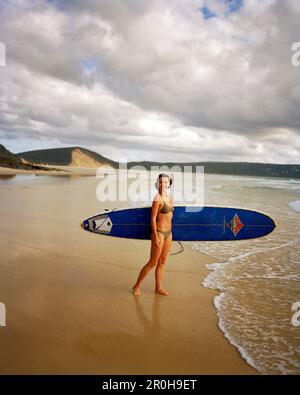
[201, 223]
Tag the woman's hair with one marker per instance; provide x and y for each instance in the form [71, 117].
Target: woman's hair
[163, 175]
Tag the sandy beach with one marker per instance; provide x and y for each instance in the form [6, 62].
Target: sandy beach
[61, 171]
[69, 305]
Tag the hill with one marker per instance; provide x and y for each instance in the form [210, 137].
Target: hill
[70, 156]
[84, 158]
[234, 168]
[8, 159]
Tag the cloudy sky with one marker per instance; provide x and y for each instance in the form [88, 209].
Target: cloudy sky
[161, 80]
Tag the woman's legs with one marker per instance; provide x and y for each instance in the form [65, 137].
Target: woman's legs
[161, 263]
[154, 256]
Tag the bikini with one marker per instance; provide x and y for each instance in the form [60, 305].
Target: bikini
[165, 209]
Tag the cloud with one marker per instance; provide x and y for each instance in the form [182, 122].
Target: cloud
[152, 80]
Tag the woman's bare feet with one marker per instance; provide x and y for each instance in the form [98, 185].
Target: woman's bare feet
[161, 291]
[136, 290]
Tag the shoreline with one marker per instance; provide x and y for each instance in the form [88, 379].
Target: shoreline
[61, 171]
[92, 171]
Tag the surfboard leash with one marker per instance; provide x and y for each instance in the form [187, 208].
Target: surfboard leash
[181, 248]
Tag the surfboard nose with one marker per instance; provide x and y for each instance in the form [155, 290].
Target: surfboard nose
[84, 224]
[100, 224]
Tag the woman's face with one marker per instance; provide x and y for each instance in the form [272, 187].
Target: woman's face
[164, 184]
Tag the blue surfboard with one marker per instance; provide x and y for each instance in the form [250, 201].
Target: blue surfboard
[201, 223]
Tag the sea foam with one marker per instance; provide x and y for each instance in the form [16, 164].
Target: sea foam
[295, 205]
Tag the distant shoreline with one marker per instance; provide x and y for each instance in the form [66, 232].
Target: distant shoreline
[61, 171]
[81, 161]
[92, 171]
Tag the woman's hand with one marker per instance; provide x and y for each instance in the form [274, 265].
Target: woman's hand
[157, 241]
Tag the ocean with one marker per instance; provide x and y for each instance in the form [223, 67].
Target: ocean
[258, 279]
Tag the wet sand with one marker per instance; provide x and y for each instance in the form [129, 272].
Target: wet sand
[68, 298]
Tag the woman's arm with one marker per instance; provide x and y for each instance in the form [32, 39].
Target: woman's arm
[154, 211]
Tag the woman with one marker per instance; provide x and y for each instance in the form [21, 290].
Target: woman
[161, 236]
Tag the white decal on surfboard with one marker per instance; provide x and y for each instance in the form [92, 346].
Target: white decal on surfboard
[103, 225]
